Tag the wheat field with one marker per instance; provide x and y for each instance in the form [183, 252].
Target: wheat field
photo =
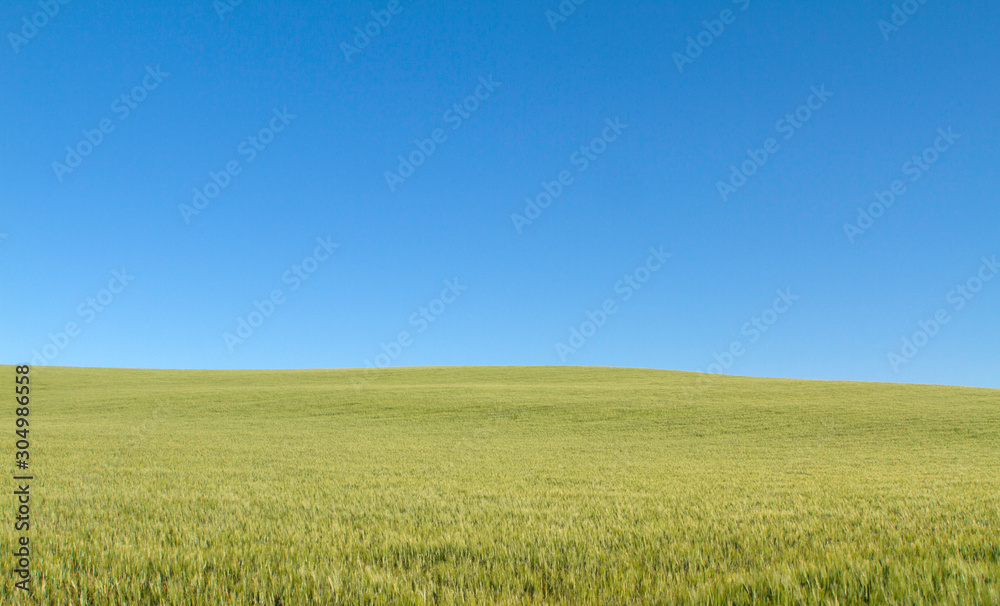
[504, 485]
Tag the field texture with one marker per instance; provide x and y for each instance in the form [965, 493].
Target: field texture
[498, 485]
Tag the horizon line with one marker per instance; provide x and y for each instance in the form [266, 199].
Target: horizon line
[484, 366]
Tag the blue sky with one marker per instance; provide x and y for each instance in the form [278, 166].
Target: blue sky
[288, 121]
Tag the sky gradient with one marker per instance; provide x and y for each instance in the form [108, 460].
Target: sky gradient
[664, 185]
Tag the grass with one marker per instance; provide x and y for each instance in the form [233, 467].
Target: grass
[504, 486]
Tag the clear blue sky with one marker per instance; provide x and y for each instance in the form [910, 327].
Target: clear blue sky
[183, 91]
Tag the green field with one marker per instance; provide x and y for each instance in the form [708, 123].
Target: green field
[501, 485]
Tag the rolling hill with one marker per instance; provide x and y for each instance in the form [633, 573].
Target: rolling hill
[504, 485]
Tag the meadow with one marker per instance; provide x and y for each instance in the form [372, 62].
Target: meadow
[503, 485]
